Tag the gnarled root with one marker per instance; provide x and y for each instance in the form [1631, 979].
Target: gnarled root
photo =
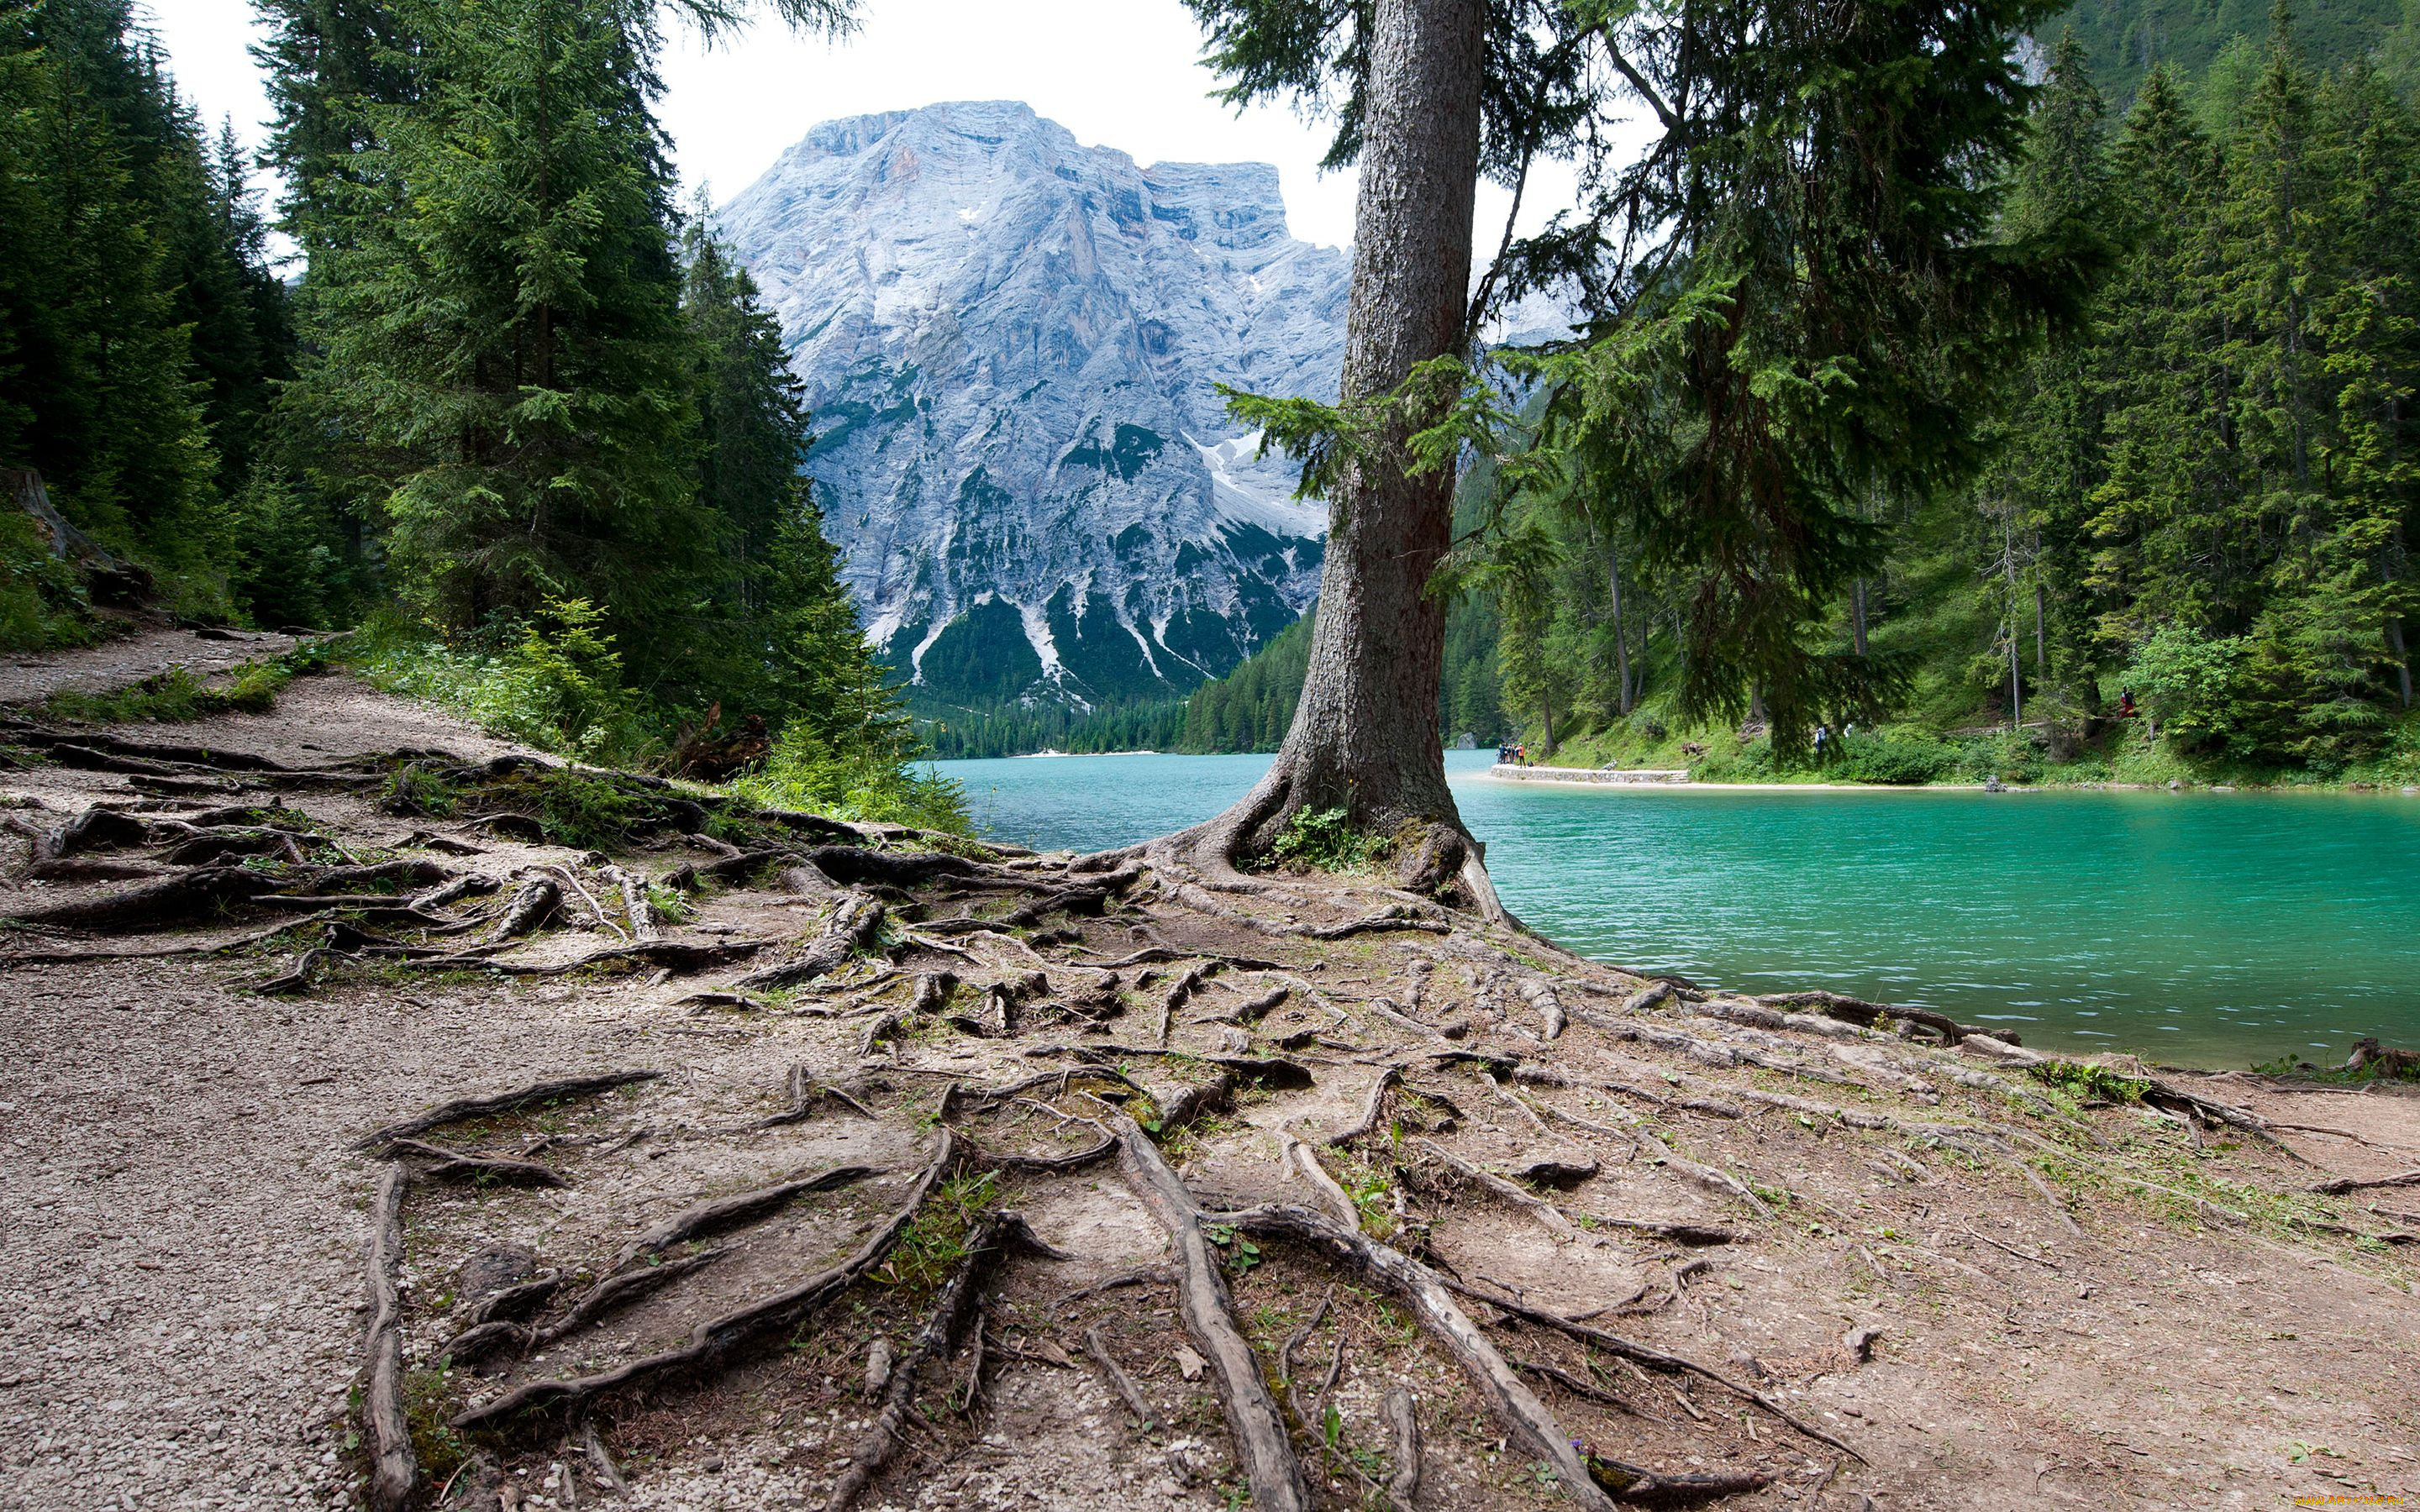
[855, 924]
[993, 1235]
[186, 898]
[719, 1338]
[512, 1102]
[1264, 1450]
[393, 1468]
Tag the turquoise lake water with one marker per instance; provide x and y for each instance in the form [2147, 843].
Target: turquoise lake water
[2199, 928]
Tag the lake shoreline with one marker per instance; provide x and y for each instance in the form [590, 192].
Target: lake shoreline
[1583, 776]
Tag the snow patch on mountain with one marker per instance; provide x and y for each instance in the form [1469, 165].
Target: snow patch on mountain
[1012, 344]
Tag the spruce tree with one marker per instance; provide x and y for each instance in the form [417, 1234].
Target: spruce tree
[496, 313]
[2049, 433]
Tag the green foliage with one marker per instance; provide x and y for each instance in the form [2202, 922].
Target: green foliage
[2083, 1083]
[1898, 757]
[428, 1402]
[555, 683]
[582, 813]
[868, 779]
[286, 564]
[1250, 708]
[935, 1240]
[1325, 839]
[140, 324]
[174, 697]
[413, 791]
[42, 602]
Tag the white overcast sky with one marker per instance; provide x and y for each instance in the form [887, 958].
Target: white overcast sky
[1120, 73]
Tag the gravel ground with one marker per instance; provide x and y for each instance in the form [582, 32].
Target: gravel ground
[30, 677]
[182, 1290]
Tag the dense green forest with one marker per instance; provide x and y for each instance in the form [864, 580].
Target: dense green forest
[2202, 496]
[512, 407]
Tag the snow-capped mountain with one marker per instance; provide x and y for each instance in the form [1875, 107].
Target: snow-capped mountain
[1012, 344]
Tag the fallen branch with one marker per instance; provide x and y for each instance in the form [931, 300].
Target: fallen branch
[1423, 1293]
[483, 1170]
[1656, 1360]
[1119, 1381]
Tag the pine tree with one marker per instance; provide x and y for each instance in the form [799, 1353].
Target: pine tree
[2048, 436]
[2170, 430]
[496, 311]
[103, 375]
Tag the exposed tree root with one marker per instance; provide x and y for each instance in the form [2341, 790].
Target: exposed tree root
[186, 898]
[512, 1102]
[393, 1468]
[719, 1338]
[1373, 1108]
[533, 903]
[679, 956]
[1866, 1015]
[2344, 1184]
[992, 1236]
[804, 1092]
[1264, 1450]
[1656, 1360]
[855, 924]
[442, 1165]
[706, 1219]
[1422, 1293]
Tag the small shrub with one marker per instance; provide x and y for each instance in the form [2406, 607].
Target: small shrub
[439, 1450]
[932, 1243]
[588, 814]
[255, 688]
[43, 605]
[1324, 839]
[870, 782]
[554, 682]
[1892, 758]
[415, 791]
[2083, 1082]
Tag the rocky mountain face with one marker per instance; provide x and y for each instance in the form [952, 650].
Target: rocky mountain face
[1012, 345]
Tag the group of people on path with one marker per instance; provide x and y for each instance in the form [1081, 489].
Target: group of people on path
[1512, 753]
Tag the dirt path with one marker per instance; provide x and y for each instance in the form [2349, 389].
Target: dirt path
[2153, 1317]
[31, 677]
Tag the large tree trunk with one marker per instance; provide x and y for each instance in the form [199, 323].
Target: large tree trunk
[1364, 738]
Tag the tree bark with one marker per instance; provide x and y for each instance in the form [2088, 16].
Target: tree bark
[1620, 636]
[2403, 658]
[1858, 615]
[1364, 738]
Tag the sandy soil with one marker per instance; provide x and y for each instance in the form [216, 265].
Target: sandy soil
[182, 1299]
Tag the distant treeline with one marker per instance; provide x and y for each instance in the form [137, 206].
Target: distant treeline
[1248, 710]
